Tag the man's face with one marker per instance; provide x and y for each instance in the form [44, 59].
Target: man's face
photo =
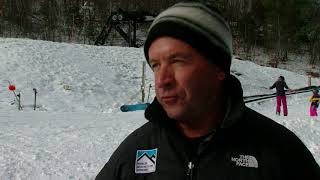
[187, 84]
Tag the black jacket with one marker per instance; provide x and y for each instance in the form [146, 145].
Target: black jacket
[280, 85]
[247, 146]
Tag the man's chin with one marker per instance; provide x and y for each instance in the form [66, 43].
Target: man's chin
[174, 113]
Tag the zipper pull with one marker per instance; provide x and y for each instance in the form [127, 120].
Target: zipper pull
[190, 170]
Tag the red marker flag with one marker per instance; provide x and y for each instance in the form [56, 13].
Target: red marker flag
[12, 87]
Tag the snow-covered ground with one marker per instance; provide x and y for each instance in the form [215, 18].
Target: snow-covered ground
[77, 124]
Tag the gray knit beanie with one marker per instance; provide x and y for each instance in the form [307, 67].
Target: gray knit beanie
[200, 26]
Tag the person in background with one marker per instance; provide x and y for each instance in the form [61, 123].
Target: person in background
[198, 124]
[280, 86]
[314, 99]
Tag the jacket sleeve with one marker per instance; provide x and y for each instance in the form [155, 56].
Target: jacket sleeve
[300, 162]
[110, 170]
[311, 99]
[273, 86]
[121, 163]
[309, 169]
[119, 167]
[285, 85]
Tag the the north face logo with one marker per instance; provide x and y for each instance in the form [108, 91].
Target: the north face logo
[245, 161]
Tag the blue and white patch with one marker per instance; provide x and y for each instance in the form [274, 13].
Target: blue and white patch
[146, 161]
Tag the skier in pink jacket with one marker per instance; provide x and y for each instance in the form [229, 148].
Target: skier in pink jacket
[314, 99]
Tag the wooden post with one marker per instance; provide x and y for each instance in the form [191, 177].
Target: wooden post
[143, 81]
[309, 80]
[72, 29]
[135, 33]
[149, 93]
[84, 28]
[130, 34]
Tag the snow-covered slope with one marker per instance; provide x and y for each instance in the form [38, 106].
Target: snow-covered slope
[80, 88]
[70, 77]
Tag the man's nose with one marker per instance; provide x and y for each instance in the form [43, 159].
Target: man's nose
[165, 77]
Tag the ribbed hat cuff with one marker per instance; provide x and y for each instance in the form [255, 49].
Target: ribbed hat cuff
[209, 48]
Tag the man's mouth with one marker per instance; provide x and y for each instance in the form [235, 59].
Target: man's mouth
[169, 99]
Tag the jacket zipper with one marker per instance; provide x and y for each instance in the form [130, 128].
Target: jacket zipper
[190, 170]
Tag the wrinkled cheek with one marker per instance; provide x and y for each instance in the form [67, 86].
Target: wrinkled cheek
[197, 92]
[157, 92]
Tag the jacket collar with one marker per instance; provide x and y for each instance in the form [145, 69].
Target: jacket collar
[235, 105]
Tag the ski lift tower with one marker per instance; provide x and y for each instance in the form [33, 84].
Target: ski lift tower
[121, 17]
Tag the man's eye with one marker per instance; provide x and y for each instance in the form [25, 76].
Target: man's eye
[178, 61]
[154, 65]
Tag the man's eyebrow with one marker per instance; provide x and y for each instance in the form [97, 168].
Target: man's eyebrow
[172, 56]
[178, 54]
[152, 60]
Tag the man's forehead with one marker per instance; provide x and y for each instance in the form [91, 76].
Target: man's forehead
[170, 48]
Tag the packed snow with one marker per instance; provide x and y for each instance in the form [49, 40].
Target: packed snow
[77, 123]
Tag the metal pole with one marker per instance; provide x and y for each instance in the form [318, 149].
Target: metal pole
[16, 96]
[19, 101]
[35, 99]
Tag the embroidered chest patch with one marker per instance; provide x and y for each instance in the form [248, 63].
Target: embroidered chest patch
[146, 161]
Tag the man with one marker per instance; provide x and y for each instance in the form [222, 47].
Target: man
[199, 127]
[280, 86]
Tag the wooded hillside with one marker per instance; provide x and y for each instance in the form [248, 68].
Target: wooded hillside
[280, 27]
